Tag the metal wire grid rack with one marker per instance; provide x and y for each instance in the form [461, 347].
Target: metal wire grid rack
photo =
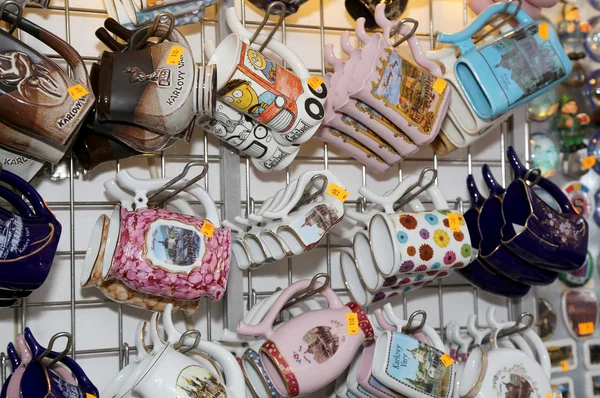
[235, 186]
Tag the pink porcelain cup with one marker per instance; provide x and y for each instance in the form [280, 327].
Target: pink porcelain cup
[160, 252]
[311, 350]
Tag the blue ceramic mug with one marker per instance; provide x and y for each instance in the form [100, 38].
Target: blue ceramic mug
[59, 387]
[510, 69]
[493, 251]
[535, 231]
[27, 244]
[15, 361]
[478, 272]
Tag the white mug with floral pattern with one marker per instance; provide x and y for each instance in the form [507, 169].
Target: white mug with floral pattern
[419, 242]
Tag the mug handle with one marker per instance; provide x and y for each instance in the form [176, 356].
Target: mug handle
[231, 369]
[63, 49]
[462, 39]
[15, 359]
[82, 379]
[493, 185]
[265, 327]
[274, 45]
[544, 183]
[28, 191]
[387, 201]
[331, 59]
[413, 42]
[477, 198]
[347, 47]
[16, 202]
[361, 32]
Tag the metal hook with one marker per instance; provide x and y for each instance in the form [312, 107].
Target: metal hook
[19, 14]
[517, 328]
[537, 178]
[396, 30]
[408, 329]
[51, 344]
[125, 361]
[495, 18]
[405, 199]
[154, 26]
[264, 22]
[182, 339]
[308, 197]
[310, 290]
[177, 179]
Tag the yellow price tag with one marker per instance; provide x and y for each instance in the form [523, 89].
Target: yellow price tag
[549, 396]
[588, 162]
[175, 55]
[337, 192]
[88, 395]
[315, 82]
[446, 360]
[543, 29]
[352, 322]
[454, 222]
[207, 228]
[77, 92]
[586, 328]
[440, 85]
[564, 366]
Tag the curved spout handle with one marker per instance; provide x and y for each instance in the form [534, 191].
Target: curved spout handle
[493, 185]
[477, 198]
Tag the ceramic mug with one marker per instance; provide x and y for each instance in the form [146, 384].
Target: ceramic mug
[149, 245]
[29, 243]
[478, 272]
[516, 79]
[35, 94]
[383, 68]
[419, 241]
[561, 237]
[294, 355]
[501, 371]
[411, 368]
[265, 91]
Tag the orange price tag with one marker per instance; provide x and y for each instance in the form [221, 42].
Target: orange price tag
[454, 222]
[175, 55]
[543, 29]
[315, 82]
[440, 85]
[446, 360]
[207, 228]
[549, 396]
[77, 92]
[564, 366]
[337, 192]
[588, 162]
[352, 321]
[586, 328]
[88, 395]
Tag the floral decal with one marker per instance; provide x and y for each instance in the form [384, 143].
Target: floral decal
[450, 257]
[465, 250]
[431, 219]
[421, 268]
[407, 266]
[408, 221]
[436, 265]
[390, 281]
[424, 234]
[419, 277]
[444, 212]
[402, 237]
[458, 236]
[411, 251]
[425, 252]
[441, 238]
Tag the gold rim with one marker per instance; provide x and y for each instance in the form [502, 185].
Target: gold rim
[247, 358]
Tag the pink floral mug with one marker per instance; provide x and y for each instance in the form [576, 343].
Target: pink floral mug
[169, 254]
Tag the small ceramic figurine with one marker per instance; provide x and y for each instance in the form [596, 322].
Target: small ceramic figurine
[570, 125]
[573, 32]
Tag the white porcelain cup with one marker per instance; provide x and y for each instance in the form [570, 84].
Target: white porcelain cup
[501, 372]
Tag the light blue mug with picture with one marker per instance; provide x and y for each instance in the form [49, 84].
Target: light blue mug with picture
[511, 69]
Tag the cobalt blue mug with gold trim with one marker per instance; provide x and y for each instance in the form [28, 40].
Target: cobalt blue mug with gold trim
[494, 252]
[478, 272]
[538, 233]
[510, 69]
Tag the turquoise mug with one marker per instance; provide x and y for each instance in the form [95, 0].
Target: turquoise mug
[511, 69]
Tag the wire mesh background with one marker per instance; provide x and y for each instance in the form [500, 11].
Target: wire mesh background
[103, 331]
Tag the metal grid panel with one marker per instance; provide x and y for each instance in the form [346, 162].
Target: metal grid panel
[101, 328]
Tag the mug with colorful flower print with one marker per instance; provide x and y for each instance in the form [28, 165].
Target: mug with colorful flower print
[418, 242]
